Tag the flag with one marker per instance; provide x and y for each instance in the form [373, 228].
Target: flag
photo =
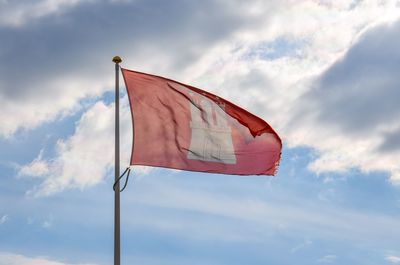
[182, 127]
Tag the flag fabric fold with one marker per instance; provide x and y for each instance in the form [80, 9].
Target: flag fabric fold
[182, 127]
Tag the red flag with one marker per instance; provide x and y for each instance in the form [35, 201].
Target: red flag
[183, 127]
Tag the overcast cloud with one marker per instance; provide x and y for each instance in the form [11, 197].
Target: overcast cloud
[334, 90]
[324, 74]
[52, 61]
[351, 112]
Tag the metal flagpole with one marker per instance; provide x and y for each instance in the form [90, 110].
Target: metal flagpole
[117, 239]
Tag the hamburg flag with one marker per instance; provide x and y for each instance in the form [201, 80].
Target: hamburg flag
[182, 127]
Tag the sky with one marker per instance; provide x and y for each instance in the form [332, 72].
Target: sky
[324, 74]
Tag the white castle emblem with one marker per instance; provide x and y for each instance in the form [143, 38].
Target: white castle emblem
[211, 134]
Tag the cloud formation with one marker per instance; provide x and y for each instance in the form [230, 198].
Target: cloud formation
[393, 259]
[17, 14]
[57, 59]
[4, 219]
[327, 259]
[83, 159]
[312, 70]
[351, 113]
[16, 259]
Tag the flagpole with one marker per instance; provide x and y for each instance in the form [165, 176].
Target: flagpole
[117, 238]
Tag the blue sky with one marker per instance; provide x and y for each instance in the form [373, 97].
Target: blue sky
[324, 74]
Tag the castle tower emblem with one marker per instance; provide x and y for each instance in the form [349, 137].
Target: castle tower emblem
[211, 138]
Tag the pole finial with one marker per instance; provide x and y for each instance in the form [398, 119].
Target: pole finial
[117, 59]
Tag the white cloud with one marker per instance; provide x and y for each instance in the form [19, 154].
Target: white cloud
[350, 115]
[17, 14]
[301, 246]
[318, 37]
[327, 259]
[52, 87]
[37, 168]
[85, 158]
[16, 259]
[3, 219]
[53, 62]
[269, 69]
[393, 259]
[29, 112]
